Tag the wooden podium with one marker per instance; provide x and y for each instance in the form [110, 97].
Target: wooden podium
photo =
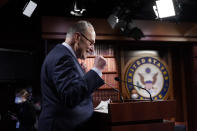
[137, 116]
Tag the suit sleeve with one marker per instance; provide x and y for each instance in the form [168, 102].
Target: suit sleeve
[71, 87]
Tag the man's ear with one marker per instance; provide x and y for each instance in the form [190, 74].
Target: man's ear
[77, 37]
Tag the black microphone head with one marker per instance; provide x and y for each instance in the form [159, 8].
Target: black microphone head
[117, 78]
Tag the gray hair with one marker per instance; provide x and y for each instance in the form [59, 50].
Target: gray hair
[81, 26]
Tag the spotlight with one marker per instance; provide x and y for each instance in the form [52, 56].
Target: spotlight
[164, 8]
[114, 18]
[113, 21]
[130, 30]
[121, 18]
[76, 11]
[29, 8]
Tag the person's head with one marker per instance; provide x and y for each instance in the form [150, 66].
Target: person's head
[81, 37]
[21, 96]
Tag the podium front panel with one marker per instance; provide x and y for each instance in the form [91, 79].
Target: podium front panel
[141, 110]
[167, 126]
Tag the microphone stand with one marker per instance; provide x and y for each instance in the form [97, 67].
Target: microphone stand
[151, 99]
[121, 97]
[117, 79]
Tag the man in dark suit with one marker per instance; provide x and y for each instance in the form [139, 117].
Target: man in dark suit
[66, 88]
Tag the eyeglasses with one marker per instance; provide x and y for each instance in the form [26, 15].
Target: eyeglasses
[91, 42]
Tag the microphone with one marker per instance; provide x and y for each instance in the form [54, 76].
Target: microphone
[119, 80]
[121, 97]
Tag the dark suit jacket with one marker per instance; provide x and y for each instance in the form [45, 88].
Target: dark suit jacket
[66, 90]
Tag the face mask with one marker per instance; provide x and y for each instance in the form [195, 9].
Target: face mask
[18, 100]
[37, 107]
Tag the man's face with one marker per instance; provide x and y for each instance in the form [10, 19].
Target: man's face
[86, 44]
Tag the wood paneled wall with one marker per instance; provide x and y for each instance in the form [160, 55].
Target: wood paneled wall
[193, 91]
[55, 28]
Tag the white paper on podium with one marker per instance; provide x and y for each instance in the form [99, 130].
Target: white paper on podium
[102, 106]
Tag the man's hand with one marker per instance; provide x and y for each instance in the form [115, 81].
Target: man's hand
[100, 62]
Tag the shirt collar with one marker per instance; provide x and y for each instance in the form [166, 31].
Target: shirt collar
[69, 48]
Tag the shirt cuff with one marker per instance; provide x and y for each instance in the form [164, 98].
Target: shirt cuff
[97, 71]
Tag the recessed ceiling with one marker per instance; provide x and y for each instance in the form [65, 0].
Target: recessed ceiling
[140, 9]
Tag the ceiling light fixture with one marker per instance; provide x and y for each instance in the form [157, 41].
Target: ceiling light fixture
[129, 29]
[164, 8]
[121, 18]
[29, 8]
[76, 11]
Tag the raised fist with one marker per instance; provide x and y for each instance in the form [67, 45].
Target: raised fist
[100, 62]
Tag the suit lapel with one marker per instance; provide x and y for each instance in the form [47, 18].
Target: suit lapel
[79, 68]
[81, 71]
